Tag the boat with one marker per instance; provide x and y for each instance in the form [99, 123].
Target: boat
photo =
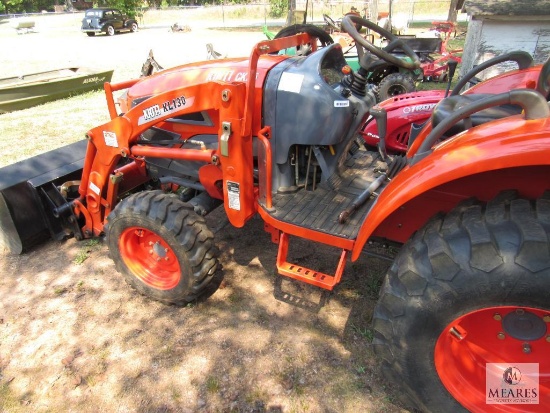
[22, 92]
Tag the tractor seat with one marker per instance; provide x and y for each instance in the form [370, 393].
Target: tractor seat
[447, 106]
[451, 104]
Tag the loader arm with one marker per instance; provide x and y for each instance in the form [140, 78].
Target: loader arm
[117, 138]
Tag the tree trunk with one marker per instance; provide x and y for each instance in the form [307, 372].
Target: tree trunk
[292, 5]
[452, 11]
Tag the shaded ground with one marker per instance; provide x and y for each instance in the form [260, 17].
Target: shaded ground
[75, 337]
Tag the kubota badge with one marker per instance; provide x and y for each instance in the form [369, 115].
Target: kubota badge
[168, 107]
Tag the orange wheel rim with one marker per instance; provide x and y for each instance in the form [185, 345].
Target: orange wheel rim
[149, 258]
[474, 354]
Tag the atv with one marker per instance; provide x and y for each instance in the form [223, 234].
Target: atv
[405, 115]
[462, 319]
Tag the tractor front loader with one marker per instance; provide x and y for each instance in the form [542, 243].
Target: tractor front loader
[467, 298]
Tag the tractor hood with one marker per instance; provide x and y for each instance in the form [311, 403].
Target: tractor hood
[227, 70]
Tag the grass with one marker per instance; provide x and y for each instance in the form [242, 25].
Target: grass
[256, 394]
[8, 401]
[60, 290]
[84, 253]
[212, 385]
[364, 332]
[49, 126]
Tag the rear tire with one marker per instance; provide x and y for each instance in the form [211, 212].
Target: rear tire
[110, 30]
[134, 27]
[441, 315]
[90, 34]
[162, 247]
[395, 84]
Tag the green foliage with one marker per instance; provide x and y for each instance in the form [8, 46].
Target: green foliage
[11, 6]
[278, 8]
[128, 7]
[25, 6]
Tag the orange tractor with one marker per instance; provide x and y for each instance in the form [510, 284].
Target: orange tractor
[464, 312]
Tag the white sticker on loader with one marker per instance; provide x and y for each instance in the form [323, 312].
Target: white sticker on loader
[110, 139]
[291, 82]
[95, 188]
[233, 195]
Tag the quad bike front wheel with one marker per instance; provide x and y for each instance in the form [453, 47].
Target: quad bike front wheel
[463, 320]
[395, 84]
[162, 247]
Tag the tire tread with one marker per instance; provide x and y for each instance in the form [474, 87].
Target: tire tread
[189, 230]
[473, 245]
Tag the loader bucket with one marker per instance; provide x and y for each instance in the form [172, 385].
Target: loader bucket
[29, 196]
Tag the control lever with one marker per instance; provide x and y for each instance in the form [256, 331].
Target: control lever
[381, 117]
[451, 64]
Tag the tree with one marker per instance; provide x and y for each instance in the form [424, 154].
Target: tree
[11, 6]
[453, 10]
[278, 7]
[129, 7]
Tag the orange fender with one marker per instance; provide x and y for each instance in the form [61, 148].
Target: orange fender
[508, 143]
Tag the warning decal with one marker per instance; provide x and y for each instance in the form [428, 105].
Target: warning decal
[233, 195]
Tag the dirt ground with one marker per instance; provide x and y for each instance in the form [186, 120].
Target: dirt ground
[75, 338]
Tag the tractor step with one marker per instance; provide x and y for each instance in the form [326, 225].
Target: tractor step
[304, 274]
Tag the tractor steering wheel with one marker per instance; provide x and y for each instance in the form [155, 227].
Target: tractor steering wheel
[331, 23]
[383, 53]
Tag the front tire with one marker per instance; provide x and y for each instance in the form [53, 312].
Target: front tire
[395, 84]
[110, 30]
[470, 291]
[162, 247]
[134, 27]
